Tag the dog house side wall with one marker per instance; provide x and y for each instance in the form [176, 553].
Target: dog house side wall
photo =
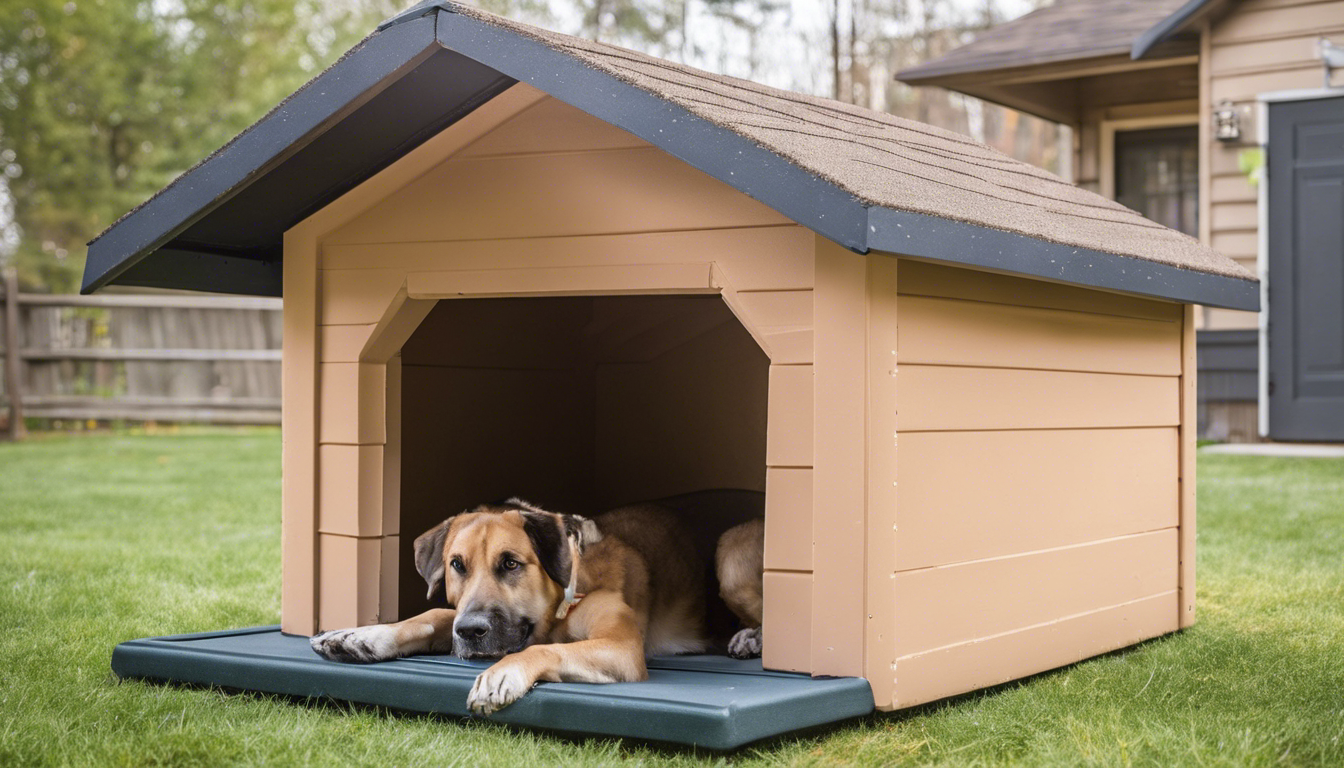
[1040, 515]
[545, 201]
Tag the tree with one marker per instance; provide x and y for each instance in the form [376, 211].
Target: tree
[103, 102]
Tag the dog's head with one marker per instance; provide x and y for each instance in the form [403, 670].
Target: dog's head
[504, 567]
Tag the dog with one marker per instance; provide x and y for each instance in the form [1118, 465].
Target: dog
[562, 598]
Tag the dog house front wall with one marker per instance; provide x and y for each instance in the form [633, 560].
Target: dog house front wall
[969, 477]
[528, 198]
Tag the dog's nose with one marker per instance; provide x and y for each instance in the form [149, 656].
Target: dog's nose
[472, 626]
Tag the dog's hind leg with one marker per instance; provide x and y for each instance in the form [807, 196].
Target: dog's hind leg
[739, 562]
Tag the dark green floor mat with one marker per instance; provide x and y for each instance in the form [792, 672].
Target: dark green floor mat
[709, 701]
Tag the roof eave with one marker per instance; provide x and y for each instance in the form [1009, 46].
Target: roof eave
[801, 195]
[307, 114]
[930, 238]
[1147, 44]
[931, 73]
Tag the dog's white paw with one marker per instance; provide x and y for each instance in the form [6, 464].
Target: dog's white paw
[746, 644]
[361, 645]
[499, 686]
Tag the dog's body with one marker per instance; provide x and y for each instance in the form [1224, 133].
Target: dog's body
[638, 590]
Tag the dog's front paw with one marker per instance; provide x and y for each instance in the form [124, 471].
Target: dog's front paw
[499, 686]
[746, 644]
[361, 645]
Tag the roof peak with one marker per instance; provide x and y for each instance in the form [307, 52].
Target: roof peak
[864, 179]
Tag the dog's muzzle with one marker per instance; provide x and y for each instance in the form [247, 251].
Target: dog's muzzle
[489, 634]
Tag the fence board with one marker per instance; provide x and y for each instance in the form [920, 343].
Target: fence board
[149, 357]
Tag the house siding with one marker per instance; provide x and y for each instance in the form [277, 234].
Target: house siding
[1259, 47]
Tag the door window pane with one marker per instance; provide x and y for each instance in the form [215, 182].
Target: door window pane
[1157, 174]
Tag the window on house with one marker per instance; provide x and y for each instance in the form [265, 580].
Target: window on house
[1157, 174]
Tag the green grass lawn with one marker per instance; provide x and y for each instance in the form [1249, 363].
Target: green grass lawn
[104, 538]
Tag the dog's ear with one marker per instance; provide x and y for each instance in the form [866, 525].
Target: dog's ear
[429, 556]
[550, 535]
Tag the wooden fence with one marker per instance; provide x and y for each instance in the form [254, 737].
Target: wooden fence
[164, 358]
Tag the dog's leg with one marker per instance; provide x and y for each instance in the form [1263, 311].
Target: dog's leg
[740, 562]
[430, 632]
[608, 648]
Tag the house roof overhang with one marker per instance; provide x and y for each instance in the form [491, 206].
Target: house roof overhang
[220, 226]
[1060, 45]
[1058, 90]
[1174, 29]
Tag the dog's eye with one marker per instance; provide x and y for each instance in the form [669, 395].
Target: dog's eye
[458, 566]
[510, 564]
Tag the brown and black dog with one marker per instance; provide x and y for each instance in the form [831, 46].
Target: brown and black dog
[508, 571]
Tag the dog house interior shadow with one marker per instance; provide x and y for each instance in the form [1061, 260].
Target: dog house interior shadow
[517, 263]
[584, 402]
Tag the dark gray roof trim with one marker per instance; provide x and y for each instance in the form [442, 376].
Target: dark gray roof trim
[219, 228]
[922, 236]
[328, 137]
[1167, 28]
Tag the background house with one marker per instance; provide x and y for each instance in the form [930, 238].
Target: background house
[1176, 106]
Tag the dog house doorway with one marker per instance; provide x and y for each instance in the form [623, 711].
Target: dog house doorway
[578, 403]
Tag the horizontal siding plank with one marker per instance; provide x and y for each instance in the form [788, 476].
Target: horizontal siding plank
[950, 398]
[1224, 160]
[1236, 58]
[1248, 87]
[1232, 189]
[609, 279]
[1216, 319]
[786, 621]
[992, 661]
[1237, 245]
[967, 496]
[951, 332]
[628, 190]
[736, 251]
[944, 606]
[1294, 19]
[1235, 216]
[919, 278]
[1261, 5]
[1228, 387]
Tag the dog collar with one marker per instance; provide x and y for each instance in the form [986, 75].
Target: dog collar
[568, 603]
[572, 596]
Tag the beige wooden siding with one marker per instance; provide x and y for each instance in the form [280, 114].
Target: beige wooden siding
[1259, 46]
[549, 201]
[1038, 499]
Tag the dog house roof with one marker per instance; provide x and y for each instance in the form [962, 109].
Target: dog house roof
[867, 180]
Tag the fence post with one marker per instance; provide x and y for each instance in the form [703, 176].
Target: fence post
[13, 377]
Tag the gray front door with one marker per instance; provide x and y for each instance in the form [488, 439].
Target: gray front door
[1306, 270]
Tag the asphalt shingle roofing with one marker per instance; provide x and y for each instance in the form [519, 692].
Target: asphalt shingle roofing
[1066, 31]
[865, 179]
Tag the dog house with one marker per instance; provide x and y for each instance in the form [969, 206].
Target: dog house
[516, 262]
